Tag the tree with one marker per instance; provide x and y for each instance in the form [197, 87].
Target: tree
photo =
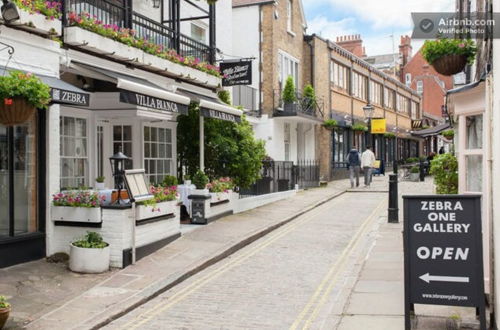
[230, 148]
[309, 96]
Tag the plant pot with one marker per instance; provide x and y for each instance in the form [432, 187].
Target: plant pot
[415, 177]
[283, 185]
[450, 64]
[187, 182]
[76, 214]
[200, 192]
[161, 209]
[100, 186]
[18, 111]
[4, 315]
[216, 197]
[290, 107]
[89, 261]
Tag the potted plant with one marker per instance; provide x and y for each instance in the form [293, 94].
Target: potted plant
[170, 181]
[415, 173]
[448, 134]
[360, 127]
[99, 182]
[77, 206]
[389, 135]
[20, 95]
[309, 98]
[4, 311]
[220, 190]
[89, 255]
[330, 124]
[200, 180]
[187, 179]
[449, 56]
[289, 96]
[163, 203]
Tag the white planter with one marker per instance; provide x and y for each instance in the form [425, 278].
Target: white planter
[415, 177]
[100, 186]
[76, 214]
[38, 23]
[88, 261]
[96, 43]
[161, 209]
[187, 182]
[199, 192]
[220, 196]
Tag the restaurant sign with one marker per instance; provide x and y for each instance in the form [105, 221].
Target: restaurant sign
[236, 73]
[62, 96]
[210, 113]
[152, 102]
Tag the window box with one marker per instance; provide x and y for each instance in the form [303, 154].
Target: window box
[93, 42]
[89, 261]
[76, 214]
[161, 209]
[38, 23]
[220, 196]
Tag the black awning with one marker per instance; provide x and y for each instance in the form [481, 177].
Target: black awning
[431, 130]
[64, 93]
[212, 107]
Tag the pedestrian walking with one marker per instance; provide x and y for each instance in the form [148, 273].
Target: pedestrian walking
[354, 163]
[367, 163]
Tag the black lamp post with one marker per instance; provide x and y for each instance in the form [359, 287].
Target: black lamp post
[9, 11]
[395, 152]
[369, 111]
[118, 168]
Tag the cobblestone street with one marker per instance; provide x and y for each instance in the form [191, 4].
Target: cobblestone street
[296, 277]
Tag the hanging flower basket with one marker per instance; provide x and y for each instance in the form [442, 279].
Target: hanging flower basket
[15, 111]
[450, 64]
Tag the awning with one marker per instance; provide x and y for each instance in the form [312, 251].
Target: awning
[431, 130]
[212, 107]
[140, 92]
[64, 93]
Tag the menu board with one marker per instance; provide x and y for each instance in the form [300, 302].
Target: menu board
[137, 185]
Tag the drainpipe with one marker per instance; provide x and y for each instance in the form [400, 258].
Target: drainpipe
[260, 62]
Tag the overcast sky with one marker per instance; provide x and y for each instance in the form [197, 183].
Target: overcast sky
[374, 20]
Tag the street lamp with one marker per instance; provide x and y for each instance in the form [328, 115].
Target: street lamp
[9, 11]
[156, 3]
[369, 110]
[118, 169]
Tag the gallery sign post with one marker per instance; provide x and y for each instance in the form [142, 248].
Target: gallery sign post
[443, 253]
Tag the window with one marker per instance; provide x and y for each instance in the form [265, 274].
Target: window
[414, 110]
[245, 96]
[74, 154]
[158, 160]
[474, 153]
[340, 149]
[474, 132]
[420, 86]
[339, 75]
[289, 15]
[389, 98]
[359, 83]
[402, 104]
[287, 141]
[198, 33]
[408, 79]
[122, 141]
[375, 93]
[288, 66]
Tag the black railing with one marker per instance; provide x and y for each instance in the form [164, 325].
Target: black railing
[279, 176]
[303, 105]
[119, 13]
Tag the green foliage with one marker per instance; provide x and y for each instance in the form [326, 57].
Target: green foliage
[91, 240]
[27, 86]
[415, 169]
[449, 134]
[225, 97]
[309, 96]
[3, 302]
[231, 149]
[289, 91]
[100, 179]
[200, 179]
[170, 181]
[435, 49]
[221, 185]
[51, 9]
[389, 135]
[330, 123]
[444, 168]
[411, 160]
[360, 127]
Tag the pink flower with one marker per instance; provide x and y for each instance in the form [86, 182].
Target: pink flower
[462, 45]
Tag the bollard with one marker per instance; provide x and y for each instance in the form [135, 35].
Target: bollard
[422, 170]
[393, 211]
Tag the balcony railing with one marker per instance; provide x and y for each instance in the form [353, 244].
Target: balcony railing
[304, 106]
[119, 12]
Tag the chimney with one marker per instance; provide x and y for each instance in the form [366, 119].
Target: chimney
[353, 44]
[405, 50]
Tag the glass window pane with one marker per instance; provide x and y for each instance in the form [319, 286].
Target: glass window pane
[127, 149]
[69, 126]
[169, 151]
[146, 134]
[168, 134]
[154, 134]
[117, 146]
[69, 147]
[474, 132]
[4, 182]
[474, 173]
[152, 166]
[147, 152]
[162, 150]
[159, 166]
[161, 132]
[127, 133]
[167, 167]
[81, 127]
[154, 150]
[80, 148]
[117, 133]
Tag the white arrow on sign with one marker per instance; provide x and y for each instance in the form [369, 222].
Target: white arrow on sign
[428, 278]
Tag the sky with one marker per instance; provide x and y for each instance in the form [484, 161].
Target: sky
[374, 20]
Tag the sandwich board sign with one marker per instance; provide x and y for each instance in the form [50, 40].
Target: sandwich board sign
[443, 253]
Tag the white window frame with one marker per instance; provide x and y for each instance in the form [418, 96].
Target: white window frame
[170, 159]
[420, 87]
[289, 15]
[201, 26]
[408, 79]
[288, 66]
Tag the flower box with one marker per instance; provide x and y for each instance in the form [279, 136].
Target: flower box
[159, 210]
[38, 23]
[96, 43]
[218, 197]
[76, 214]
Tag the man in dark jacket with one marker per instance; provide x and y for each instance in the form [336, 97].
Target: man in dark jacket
[354, 162]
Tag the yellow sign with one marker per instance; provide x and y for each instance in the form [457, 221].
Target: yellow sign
[378, 126]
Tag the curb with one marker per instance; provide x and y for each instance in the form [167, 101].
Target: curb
[213, 260]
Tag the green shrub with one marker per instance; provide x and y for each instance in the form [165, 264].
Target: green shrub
[309, 96]
[449, 134]
[27, 86]
[360, 127]
[3, 302]
[170, 181]
[415, 169]
[100, 179]
[200, 179]
[411, 160]
[225, 97]
[389, 135]
[91, 240]
[330, 123]
[435, 49]
[289, 91]
[444, 168]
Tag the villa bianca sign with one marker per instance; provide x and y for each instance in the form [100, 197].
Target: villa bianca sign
[236, 73]
[152, 102]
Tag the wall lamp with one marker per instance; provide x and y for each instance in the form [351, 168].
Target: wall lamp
[9, 11]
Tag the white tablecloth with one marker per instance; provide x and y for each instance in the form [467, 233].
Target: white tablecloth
[184, 191]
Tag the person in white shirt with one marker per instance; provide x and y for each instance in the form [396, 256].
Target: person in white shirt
[367, 163]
